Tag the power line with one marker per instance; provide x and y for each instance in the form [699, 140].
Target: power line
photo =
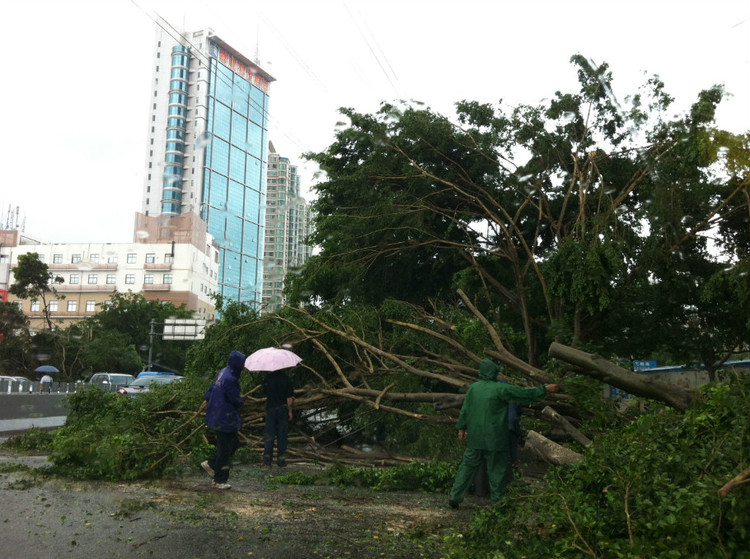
[375, 55]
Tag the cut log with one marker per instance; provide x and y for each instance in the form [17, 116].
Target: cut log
[566, 426]
[597, 367]
[550, 451]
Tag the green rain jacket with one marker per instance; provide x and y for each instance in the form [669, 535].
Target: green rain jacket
[485, 411]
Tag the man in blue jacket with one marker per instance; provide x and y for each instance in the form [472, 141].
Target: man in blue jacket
[224, 418]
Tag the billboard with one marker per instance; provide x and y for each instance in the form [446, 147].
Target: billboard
[184, 329]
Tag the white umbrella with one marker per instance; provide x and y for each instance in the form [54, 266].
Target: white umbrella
[271, 359]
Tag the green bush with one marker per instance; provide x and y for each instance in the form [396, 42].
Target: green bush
[646, 490]
[110, 436]
[34, 439]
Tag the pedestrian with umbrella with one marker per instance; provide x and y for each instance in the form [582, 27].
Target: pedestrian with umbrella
[279, 391]
[46, 380]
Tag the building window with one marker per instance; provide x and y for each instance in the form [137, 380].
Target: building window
[52, 307]
[111, 278]
[90, 306]
[112, 259]
[72, 306]
[93, 278]
[36, 306]
[150, 258]
[129, 278]
[131, 258]
[167, 278]
[41, 257]
[95, 257]
[57, 259]
[75, 259]
[168, 258]
[75, 279]
[148, 278]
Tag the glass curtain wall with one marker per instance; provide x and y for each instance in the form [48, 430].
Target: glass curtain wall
[234, 180]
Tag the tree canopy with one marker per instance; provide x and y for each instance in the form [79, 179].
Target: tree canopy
[587, 219]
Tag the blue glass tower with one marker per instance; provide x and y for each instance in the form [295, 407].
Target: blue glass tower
[208, 150]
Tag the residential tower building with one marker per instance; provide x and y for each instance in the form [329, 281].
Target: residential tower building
[287, 227]
[206, 150]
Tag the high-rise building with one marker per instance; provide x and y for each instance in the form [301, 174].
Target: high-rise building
[206, 152]
[287, 226]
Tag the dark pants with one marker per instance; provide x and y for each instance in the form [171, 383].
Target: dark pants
[277, 430]
[226, 445]
[497, 464]
[481, 482]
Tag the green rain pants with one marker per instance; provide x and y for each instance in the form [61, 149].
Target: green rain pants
[497, 464]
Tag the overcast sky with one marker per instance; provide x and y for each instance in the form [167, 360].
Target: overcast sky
[74, 95]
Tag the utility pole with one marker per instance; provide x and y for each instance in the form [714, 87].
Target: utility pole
[150, 343]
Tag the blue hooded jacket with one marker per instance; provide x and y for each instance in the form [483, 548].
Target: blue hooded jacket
[223, 396]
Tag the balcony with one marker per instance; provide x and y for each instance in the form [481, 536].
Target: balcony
[83, 287]
[156, 286]
[82, 265]
[158, 266]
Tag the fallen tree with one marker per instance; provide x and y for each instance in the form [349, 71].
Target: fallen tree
[597, 367]
[550, 451]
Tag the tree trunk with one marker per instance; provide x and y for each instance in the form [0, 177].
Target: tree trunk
[566, 426]
[550, 451]
[633, 383]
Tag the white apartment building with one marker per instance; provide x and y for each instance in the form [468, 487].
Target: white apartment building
[178, 263]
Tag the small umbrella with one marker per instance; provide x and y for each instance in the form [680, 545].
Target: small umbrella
[271, 359]
[46, 369]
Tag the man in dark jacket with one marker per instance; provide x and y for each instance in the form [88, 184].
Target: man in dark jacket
[224, 418]
[279, 400]
[483, 425]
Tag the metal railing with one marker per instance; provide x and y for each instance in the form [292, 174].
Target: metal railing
[34, 387]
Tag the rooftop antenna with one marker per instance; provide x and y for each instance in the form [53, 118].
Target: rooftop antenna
[257, 47]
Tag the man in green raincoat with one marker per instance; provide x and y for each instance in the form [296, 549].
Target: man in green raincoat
[483, 425]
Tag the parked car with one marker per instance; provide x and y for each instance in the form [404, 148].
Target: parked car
[110, 381]
[151, 373]
[143, 383]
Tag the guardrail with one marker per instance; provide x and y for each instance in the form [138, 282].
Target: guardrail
[24, 405]
[20, 387]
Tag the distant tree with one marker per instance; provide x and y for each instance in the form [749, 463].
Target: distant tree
[34, 281]
[130, 315]
[110, 351]
[15, 341]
